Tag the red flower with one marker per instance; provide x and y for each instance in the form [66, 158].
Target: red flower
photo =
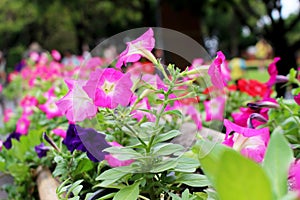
[252, 87]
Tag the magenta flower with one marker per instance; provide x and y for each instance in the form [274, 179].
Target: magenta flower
[113, 161]
[49, 107]
[139, 114]
[297, 99]
[34, 56]
[22, 125]
[109, 88]
[294, 176]
[252, 143]
[56, 55]
[195, 115]
[28, 103]
[137, 48]
[214, 108]
[272, 70]
[241, 118]
[214, 71]
[76, 105]
[60, 132]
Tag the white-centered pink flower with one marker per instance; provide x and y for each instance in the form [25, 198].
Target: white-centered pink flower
[77, 105]
[109, 88]
[140, 47]
[252, 143]
[23, 125]
[214, 108]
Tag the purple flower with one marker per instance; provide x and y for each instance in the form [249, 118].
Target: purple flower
[14, 135]
[41, 150]
[86, 140]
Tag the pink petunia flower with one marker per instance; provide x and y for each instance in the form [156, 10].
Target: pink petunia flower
[272, 70]
[56, 55]
[294, 177]
[195, 115]
[76, 105]
[240, 118]
[137, 48]
[114, 162]
[137, 113]
[214, 108]
[252, 143]
[23, 125]
[8, 113]
[215, 73]
[109, 88]
[49, 107]
[28, 103]
[60, 132]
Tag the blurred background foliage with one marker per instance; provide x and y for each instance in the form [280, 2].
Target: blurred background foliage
[68, 25]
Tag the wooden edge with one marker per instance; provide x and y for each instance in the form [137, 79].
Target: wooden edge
[46, 184]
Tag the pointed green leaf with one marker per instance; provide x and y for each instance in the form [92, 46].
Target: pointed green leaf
[277, 160]
[128, 193]
[241, 178]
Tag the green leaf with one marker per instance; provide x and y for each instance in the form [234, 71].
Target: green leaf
[19, 171]
[194, 180]
[128, 193]
[113, 173]
[123, 153]
[164, 165]
[84, 165]
[241, 178]
[209, 160]
[277, 160]
[164, 149]
[187, 165]
[166, 136]
[185, 194]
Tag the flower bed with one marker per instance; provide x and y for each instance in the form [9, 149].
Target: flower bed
[132, 131]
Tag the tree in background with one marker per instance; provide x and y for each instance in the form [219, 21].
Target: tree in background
[264, 19]
[67, 25]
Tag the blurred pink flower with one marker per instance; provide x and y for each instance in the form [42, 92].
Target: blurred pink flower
[34, 56]
[23, 125]
[252, 143]
[1, 88]
[60, 132]
[195, 115]
[137, 113]
[109, 88]
[137, 48]
[8, 113]
[114, 162]
[214, 108]
[215, 72]
[56, 55]
[49, 107]
[76, 105]
[28, 103]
